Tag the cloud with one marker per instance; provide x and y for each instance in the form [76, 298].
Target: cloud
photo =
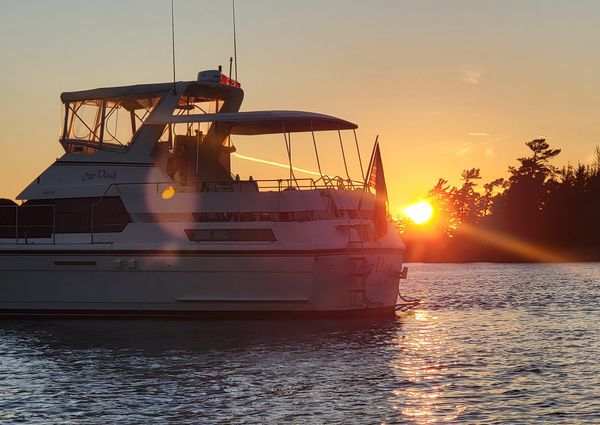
[490, 152]
[471, 76]
[462, 150]
[467, 149]
[478, 134]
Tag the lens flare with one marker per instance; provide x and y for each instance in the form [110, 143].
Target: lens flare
[168, 193]
[420, 213]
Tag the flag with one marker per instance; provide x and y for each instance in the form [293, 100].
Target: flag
[376, 180]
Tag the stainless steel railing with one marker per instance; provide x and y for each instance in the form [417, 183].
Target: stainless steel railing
[20, 227]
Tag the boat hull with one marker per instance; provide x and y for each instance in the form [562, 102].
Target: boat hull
[162, 283]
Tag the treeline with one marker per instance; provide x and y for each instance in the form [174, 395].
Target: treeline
[540, 213]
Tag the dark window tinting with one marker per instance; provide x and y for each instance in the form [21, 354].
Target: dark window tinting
[231, 235]
[39, 218]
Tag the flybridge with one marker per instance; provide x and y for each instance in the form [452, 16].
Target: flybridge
[113, 118]
[184, 129]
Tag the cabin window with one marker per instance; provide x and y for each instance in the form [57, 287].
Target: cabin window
[230, 235]
[42, 218]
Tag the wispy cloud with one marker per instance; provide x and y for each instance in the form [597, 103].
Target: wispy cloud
[467, 149]
[490, 152]
[478, 134]
[471, 76]
[462, 150]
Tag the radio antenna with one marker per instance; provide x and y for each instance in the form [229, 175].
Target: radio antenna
[234, 40]
[173, 42]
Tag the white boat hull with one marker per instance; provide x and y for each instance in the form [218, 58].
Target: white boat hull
[154, 221]
[163, 283]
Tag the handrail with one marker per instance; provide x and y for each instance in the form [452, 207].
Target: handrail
[335, 183]
[18, 226]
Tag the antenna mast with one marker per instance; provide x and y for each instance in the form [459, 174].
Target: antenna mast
[234, 40]
[173, 42]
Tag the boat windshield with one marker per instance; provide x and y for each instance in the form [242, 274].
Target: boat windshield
[110, 123]
[105, 124]
[191, 103]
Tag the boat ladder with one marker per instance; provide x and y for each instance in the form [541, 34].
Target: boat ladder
[358, 277]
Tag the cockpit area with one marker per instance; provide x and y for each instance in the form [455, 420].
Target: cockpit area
[111, 119]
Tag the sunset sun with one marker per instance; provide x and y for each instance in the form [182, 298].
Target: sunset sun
[420, 212]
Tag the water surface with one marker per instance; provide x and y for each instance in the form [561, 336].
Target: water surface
[491, 343]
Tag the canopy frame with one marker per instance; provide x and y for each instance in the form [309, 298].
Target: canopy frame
[262, 122]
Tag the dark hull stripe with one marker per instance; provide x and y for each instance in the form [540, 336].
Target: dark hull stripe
[74, 263]
[201, 253]
[178, 314]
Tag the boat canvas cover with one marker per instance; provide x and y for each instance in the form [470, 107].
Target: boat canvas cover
[263, 122]
[116, 92]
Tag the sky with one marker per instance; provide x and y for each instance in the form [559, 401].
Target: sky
[446, 85]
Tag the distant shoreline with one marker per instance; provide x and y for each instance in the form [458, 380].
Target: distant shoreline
[591, 255]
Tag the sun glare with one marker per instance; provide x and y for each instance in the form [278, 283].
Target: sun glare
[420, 212]
[168, 193]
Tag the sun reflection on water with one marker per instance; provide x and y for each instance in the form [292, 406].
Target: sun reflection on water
[422, 366]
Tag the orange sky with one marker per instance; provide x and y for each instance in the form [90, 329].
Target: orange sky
[446, 85]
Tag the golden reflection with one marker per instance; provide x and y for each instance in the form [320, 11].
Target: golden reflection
[168, 193]
[422, 365]
[421, 315]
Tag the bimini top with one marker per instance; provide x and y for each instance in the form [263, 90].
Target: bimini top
[112, 92]
[263, 122]
[189, 88]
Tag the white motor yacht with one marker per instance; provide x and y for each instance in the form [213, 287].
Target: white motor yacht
[142, 215]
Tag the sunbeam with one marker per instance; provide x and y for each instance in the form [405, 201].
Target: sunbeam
[512, 244]
[275, 164]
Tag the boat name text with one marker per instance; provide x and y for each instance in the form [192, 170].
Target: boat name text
[98, 174]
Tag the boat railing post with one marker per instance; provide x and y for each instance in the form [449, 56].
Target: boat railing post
[287, 136]
[362, 171]
[17, 224]
[312, 132]
[343, 153]
[92, 223]
[53, 224]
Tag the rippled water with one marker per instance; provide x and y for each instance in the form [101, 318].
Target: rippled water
[492, 343]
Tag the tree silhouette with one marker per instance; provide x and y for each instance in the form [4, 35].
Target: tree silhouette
[539, 204]
[441, 196]
[518, 209]
[535, 167]
[466, 200]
